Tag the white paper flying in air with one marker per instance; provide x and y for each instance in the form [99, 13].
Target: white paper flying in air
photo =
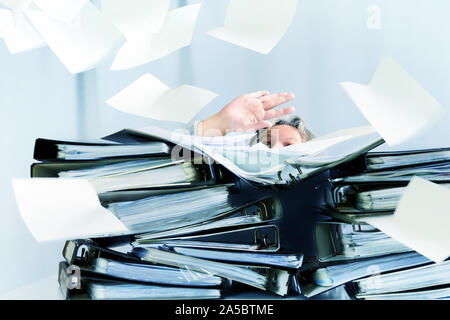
[421, 220]
[15, 5]
[64, 10]
[22, 36]
[61, 209]
[394, 103]
[149, 97]
[82, 43]
[136, 19]
[6, 21]
[256, 24]
[176, 33]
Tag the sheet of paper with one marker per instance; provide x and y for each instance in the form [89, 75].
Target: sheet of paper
[394, 103]
[256, 24]
[61, 209]
[421, 220]
[82, 43]
[15, 5]
[6, 21]
[149, 97]
[136, 19]
[22, 36]
[313, 146]
[64, 10]
[176, 33]
[352, 132]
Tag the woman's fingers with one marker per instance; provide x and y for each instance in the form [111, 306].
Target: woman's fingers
[259, 125]
[258, 94]
[272, 114]
[272, 100]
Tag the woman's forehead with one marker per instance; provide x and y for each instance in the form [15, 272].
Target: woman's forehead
[285, 130]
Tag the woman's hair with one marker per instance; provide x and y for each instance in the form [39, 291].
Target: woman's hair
[290, 120]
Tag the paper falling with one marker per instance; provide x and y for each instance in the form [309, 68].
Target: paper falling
[61, 209]
[149, 97]
[136, 19]
[21, 36]
[15, 5]
[64, 10]
[394, 103]
[256, 24]
[6, 21]
[421, 220]
[176, 33]
[82, 43]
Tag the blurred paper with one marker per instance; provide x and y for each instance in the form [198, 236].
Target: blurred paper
[61, 209]
[175, 34]
[15, 5]
[421, 220]
[22, 36]
[256, 24]
[136, 18]
[149, 97]
[313, 146]
[352, 132]
[394, 103]
[6, 21]
[64, 10]
[82, 43]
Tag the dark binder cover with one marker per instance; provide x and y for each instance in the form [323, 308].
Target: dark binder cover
[74, 281]
[359, 164]
[211, 174]
[46, 149]
[127, 137]
[327, 246]
[262, 238]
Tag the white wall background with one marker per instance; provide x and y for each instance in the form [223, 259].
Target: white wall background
[328, 42]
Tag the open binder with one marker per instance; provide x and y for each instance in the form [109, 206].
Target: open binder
[291, 166]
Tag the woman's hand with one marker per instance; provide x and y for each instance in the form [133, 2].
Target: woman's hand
[248, 112]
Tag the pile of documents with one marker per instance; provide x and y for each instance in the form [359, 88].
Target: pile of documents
[157, 213]
[387, 234]
[140, 224]
[375, 187]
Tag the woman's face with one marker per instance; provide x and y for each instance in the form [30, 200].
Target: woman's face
[282, 136]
